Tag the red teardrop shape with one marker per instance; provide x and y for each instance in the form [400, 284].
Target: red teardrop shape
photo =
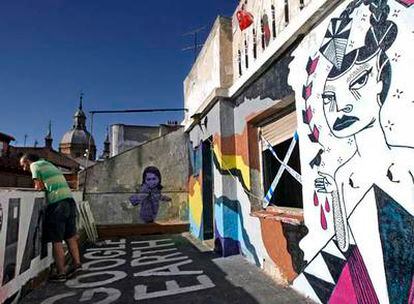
[327, 206]
[315, 199]
[324, 224]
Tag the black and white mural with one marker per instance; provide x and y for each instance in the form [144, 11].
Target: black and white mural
[23, 254]
[352, 80]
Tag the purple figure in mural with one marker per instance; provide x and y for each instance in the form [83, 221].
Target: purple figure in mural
[149, 195]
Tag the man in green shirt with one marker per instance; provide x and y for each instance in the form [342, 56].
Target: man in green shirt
[60, 220]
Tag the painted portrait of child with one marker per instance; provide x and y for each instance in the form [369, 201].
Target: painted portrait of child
[149, 195]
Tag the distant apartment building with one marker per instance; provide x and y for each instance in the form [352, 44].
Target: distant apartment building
[124, 137]
[12, 175]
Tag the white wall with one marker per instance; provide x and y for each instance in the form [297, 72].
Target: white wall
[212, 69]
[358, 169]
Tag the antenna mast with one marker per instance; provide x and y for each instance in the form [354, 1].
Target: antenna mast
[196, 45]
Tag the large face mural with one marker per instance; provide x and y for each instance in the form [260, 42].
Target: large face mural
[351, 80]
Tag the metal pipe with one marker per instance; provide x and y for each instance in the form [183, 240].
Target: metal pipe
[139, 111]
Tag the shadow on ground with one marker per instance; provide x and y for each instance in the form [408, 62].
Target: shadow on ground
[162, 269]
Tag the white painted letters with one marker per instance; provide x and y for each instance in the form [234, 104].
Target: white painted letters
[107, 254]
[115, 263]
[172, 289]
[155, 259]
[76, 282]
[113, 295]
[139, 253]
[152, 244]
[172, 270]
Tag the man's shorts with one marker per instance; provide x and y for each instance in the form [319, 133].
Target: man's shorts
[60, 220]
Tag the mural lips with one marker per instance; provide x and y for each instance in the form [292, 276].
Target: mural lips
[344, 122]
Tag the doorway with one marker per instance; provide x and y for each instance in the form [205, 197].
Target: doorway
[208, 212]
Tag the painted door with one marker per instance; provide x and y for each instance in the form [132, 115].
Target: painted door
[208, 217]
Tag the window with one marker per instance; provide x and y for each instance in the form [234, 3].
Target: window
[246, 54]
[287, 191]
[286, 12]
[196, 160]
[263, 33]
[273, 21]
[254, 44]
[239, 60]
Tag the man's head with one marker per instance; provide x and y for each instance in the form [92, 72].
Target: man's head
[26, 160]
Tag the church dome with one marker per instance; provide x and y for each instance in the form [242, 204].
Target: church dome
[76, 141]
[77, 137]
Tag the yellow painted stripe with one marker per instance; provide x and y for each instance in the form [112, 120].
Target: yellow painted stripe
[228, 162]
[196, 204]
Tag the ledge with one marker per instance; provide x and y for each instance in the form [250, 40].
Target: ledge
[124, 230]
[292, 216]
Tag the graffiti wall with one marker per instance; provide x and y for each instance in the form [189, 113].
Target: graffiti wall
[267, 239]
[355, 106]
[233, 227]
[23, 255]
[195, 199]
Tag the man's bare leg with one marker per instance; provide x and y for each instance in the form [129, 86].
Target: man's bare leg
[59, 255]
[74, 249]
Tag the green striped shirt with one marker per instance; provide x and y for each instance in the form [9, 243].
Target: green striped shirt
[57, 188]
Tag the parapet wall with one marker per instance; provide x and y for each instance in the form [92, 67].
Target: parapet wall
[23, 255]
[110, 184]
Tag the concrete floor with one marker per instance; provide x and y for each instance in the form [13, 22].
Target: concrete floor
[163, 269]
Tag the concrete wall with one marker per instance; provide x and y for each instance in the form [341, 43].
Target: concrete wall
[270, 240]
[10, 179]
[209, 72]
[23, 255]
[355, 125]
[124, 137]
[110, 183]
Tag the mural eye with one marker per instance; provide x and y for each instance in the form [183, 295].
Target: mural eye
[360, 81]
[328, 97]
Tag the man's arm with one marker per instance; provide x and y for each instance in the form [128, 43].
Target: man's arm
[38, 184]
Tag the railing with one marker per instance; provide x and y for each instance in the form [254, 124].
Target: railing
[270, 18]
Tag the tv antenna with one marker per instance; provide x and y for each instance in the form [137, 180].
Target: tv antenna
[196, 45]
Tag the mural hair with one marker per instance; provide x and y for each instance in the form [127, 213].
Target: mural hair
[155, 171]
[379, 38]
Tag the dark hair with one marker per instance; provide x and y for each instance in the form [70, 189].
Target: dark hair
[155, 171]
[379, 38]
[30, 157]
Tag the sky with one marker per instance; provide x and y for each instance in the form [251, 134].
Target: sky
[122, 54]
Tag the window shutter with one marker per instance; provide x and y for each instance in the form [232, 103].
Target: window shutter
[280, 130]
